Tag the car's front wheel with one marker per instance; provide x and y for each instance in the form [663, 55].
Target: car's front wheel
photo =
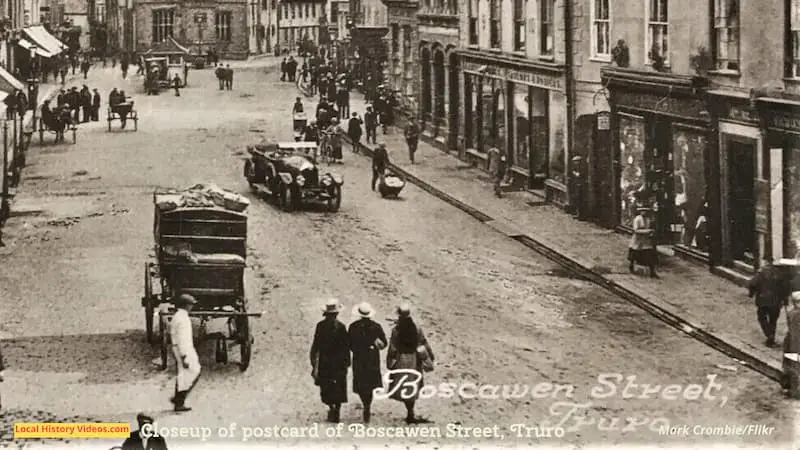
[335, 199]
[286, 198]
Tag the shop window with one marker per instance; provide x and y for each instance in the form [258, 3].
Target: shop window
[657, 31]
[632, 178]
[222, 24]
[522, 126]
[557, 154]
[492, 115]
[601, 29]
[546, 27]
[495, 16]
[473, 22]
[520, 8]
[689, 188]
[791, 199]
[469, 111]
[726, 34]
[477, 116]
[539, 100]
[163, 24]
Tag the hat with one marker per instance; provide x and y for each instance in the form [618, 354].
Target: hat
[143, 418]
[355, 114]
[332, 306]
[185, 299]
[382, 145]
[364, 310]
[796, 296]
[643, 208]
[404, 309]
[577, 158]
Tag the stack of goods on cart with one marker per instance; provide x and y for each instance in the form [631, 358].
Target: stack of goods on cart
[394, 181]
[203, 196]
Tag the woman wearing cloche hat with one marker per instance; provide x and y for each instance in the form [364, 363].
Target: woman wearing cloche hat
[367, 339]
[330, 359]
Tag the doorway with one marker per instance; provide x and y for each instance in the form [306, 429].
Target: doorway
[741, 198]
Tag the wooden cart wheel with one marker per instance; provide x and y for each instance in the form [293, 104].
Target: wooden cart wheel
[245, 341]
[149, 307]
[286, 198]
[162, 327]
[335, 202]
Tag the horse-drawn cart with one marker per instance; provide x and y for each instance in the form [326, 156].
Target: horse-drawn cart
[200, 247]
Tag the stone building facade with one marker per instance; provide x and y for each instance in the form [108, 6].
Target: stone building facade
[402, 72]
[438, 72]
[225, 25]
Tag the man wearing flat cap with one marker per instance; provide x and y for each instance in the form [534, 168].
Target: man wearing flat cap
[143, 439]
[180, 331]
[771, 288]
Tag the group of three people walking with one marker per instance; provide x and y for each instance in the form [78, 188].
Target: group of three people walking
[408, 349]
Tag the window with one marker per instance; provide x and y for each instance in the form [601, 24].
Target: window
[546, 27]
[222, 24]
[334, 14]
[395, 38]
[313, 10]
[163, 23]
[294, 11]
[300, 11]
[308, 7]
[726, 34]
[495, 15]
[473, 22]
[794, 26]
[520, 6]
[601, 29]
[264, 4]
[657, 30]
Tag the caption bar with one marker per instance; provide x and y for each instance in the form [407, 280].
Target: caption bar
[71, 430]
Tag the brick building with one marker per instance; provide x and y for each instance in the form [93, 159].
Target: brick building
[227, 26]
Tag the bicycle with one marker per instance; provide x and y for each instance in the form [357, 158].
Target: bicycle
[325, 150]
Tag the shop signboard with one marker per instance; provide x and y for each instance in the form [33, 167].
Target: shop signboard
[604, 121]
[522, 76]
[762, 194]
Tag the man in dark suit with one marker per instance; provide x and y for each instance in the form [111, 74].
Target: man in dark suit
[143, 439]
[96, 106]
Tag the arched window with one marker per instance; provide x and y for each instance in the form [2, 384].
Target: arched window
[426, 81]
[439, 83]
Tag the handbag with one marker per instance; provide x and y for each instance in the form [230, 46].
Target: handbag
[424, 359]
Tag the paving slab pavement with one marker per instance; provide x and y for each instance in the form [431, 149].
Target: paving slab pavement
[685, 289]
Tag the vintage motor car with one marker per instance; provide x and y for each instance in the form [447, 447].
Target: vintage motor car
[289, 173]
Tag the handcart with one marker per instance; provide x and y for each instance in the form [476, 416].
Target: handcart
[299, 122]
[391, 185]
[200, 247]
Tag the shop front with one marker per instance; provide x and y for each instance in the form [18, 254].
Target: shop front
[660, 129]
[739, 186]
[780, 167]
[518, 107]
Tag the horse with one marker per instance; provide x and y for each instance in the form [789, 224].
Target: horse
[57, 121]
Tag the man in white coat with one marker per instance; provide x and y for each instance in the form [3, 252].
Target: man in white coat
[188, 363]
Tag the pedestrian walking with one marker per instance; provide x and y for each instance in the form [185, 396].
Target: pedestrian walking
[95, 105]
[577, 186]
[380, 161]
[371, 125]
[228, 77]
[2, 374]
[61, 98]
[144, 438]
[354, 131]
[291, 69]
[113, 61]
[219, 72]
[74, 62]
[176, 84]
[367, 339]
[185, 74]
[497, 157]
[86, 104]
[411, 134]
[771, 288]
[63, 74]
[180, 331]
[408, 350]
[343, 101]
[330, 359]
[283, 70]
[642, 248]
[85, 64]
[791, 350]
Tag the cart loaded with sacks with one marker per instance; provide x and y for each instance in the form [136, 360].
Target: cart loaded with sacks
[200, 249]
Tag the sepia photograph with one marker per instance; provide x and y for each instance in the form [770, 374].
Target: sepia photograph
[399, 224]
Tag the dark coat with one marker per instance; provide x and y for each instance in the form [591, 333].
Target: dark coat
[364, 334]
[380, 158]
[354, 127]
[371, 120]
[770, 287]
[330, 349]
[96, 100]
[86, 98]
[61, 99]
[22, 101]
[134, 442]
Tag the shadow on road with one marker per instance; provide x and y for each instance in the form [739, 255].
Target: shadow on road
[103, 358]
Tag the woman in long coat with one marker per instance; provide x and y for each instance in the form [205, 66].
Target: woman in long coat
[367, 339]
[330, 359]
[403, 353]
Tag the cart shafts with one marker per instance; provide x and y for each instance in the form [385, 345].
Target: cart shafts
[214, 314]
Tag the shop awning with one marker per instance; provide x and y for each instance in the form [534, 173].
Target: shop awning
[44, 39]
[8, 83]
[28, 45]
